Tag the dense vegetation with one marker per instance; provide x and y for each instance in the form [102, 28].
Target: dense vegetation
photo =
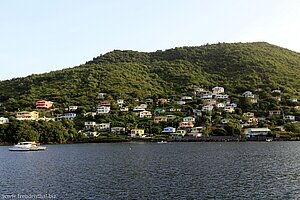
[172, 73]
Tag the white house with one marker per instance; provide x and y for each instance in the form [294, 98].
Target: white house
[252, 132]
[220, 105]
[103, 126]
[186, 98]
[124, 109]
[169, 130]
[4, 120]
[103, 109]
[207, 108]
[188, 119]
[89, 125]
[289, 117]
[294, 100]
[248, 94]
[181, 102]
[218, 90]
[221, 96]
[145, 114]
[120, 102]
[139, 109]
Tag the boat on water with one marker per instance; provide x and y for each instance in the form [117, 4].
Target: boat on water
[162, 142]
[269, 140]
[27, 146]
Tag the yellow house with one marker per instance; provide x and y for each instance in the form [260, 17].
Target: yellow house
[137, 132]
[27, 115]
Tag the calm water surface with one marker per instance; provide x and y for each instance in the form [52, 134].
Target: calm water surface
[253, 170]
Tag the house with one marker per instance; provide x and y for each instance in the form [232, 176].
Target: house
[209, 102]
[145, 114]
[89, 125]
[221, 96]
[124, 109]
[188, 119]
[103, 127]
[181, 102]
[253, 132]
[294, 100]
[206, 96]
[93, 125]
[248, 94]
[101, 95]
[120, 102]
[175, 109]
[186, 125]
[289, 117]
[178, 134]
[218, 90]
[297, 108]
[197, 113]
[159, 119]
[91, 133]
[220, 105]
[207, 108]
[274, 112]
[138, 109]
[103, 109]
[43, 104]
[104, 103]
[276, 91]
[186, 98]
[136, 133]
[27, 115]
[229, 109]
[149, 101]
[253, 100]
[162, 100]
[118, 130]
[252, 120]
[169, 130]
[69, 116]
[200, 91]
[73, 108]
[4, 120]
[248, 114]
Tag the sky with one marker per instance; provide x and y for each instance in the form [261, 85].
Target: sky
[38, 36]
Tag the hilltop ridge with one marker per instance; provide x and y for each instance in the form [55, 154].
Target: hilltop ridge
[125, 74]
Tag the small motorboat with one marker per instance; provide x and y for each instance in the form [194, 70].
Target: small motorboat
[162, 142]
[27, 146]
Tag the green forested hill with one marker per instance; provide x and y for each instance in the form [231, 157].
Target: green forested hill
[130, 74]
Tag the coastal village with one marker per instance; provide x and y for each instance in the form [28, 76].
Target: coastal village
[203, 115]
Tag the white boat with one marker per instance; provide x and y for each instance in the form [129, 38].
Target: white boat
[27, 146]
[162, 142]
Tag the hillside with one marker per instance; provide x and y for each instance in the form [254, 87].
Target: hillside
[130, 74]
